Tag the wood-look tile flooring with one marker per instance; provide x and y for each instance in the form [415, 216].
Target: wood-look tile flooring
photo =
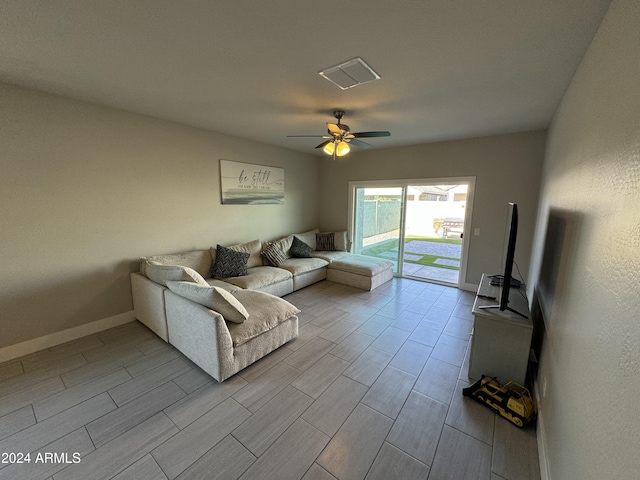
[371, 389]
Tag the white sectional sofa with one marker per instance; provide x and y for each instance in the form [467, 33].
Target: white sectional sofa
[182, 298]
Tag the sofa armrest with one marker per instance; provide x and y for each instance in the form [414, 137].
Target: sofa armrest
[200, 334]
[148, 304]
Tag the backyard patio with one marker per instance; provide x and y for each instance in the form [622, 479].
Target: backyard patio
[431, 258]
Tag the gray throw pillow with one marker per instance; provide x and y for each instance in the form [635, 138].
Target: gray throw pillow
[229, 263]
[324, 242]
[299, 249]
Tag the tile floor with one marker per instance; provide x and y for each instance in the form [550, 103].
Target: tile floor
[369, 390]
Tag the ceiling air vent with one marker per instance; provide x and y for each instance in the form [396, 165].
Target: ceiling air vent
[350, 74]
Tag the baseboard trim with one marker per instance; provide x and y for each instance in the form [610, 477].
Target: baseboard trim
[542, 451]
[469, 287]
[40, 343]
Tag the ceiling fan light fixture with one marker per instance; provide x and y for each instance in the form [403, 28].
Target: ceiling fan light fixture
[339, 135]
[329, 148]
[342, 149]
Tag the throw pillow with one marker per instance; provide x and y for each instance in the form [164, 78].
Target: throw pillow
[324, 242]
[229, 263]
[274, 255]
[299, 249]
[340, 241]
[253, 249]
[214, 298]
[162, 273]
[308, 237]
[284, 244]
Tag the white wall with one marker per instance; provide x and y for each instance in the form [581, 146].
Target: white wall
[507, 169]
[590, 366]
[86, 190]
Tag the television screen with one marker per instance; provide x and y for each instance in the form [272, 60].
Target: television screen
[506, 281]
[511, 253]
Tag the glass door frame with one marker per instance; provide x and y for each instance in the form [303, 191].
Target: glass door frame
[470, 181]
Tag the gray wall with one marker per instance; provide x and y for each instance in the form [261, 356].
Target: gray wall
[586, 266]
[507, 168]
[86, 190]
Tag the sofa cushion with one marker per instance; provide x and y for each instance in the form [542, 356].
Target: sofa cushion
[330, 256]
[266, 311]
[308, 237]
[214, 298]
[274, 254]
[163, 273]
[253, 248]
[214, 282]
[299, 249]
[361, 265]
[324, 242]
[259, 277]
[298, 266]
[199, 260]
[229, 263]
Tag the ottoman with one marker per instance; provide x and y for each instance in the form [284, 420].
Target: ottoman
[360, 271]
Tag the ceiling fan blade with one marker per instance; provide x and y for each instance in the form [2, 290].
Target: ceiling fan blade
[358, 143]
[309, 136]
[333, 128]
[324, 143]
[371, 134]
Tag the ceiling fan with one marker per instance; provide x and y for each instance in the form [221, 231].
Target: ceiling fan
[339, 137]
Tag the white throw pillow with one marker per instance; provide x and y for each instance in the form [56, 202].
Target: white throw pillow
[308, 237]
[283, 244]
[163, 273]
[214, 298]
[340, 241]
[253, 248]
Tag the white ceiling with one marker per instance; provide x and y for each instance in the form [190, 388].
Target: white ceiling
[249, 68]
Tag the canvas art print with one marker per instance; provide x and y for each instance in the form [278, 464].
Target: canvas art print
[248, 184]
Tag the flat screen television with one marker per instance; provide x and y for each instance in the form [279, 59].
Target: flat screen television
[506, 281]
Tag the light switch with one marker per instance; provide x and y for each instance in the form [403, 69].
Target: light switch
[476, 231]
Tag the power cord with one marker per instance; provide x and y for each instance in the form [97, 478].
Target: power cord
[520, 291]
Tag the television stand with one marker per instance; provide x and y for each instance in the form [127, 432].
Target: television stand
[501, 340]
[486, 307]
[499, 280]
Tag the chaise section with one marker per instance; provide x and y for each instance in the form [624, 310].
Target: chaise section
[360, 271]
[223, 349]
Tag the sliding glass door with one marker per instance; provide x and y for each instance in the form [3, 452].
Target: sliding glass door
[418, 225]
[434, 232]
[378, 220]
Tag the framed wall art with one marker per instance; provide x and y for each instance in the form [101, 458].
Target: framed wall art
[249, 184]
